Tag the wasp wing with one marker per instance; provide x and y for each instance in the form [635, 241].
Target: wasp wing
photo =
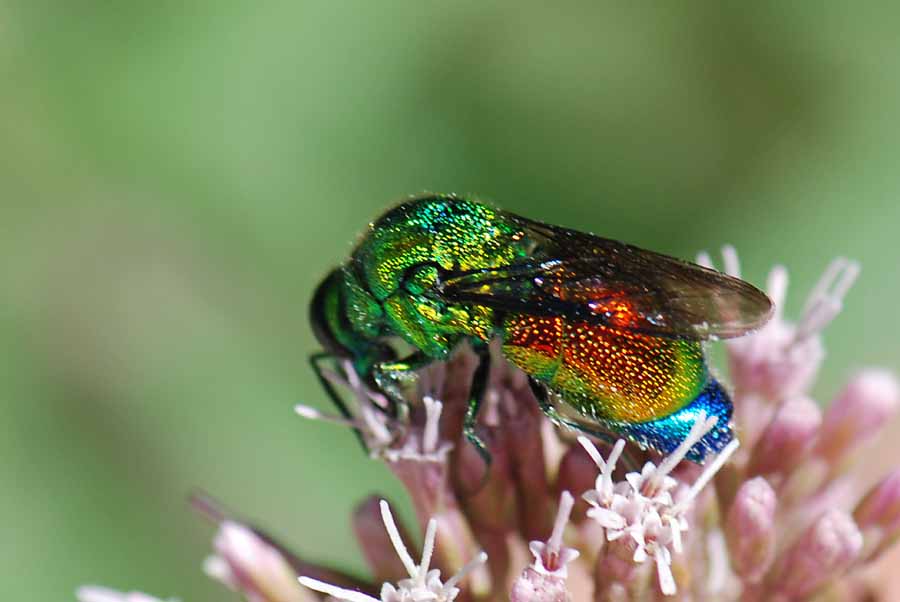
[585, 277]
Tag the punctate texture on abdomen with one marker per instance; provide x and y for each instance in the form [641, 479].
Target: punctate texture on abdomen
[604, 373]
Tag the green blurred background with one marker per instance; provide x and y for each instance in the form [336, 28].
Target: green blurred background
[176, 177]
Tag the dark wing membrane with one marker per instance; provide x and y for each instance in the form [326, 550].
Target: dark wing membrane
[585, 277]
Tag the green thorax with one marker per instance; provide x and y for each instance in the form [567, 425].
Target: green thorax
[388, 278]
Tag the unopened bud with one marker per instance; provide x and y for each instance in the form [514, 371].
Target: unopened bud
[773, 363]
[858, 414]
[881, 505]
[786, 439]
[825, 551]
[577, 472]
[247, 564]
[526, 450]
[617, 571]
[782, 359]
[432, 498]
[751, 529]
[213, 510]
[878, 514]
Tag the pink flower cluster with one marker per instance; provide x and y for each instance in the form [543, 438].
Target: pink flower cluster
[559, 517]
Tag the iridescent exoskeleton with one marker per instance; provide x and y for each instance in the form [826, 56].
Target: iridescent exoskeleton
[610, 335]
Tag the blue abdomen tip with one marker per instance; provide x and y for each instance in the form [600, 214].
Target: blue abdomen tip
[666, 434]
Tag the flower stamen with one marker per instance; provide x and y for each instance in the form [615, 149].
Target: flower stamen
[423, 585]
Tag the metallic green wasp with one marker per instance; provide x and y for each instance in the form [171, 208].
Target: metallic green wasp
[610, 335]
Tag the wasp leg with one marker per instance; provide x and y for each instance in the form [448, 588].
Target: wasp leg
[540, 393]
[315, 360]
[389, 376]
[476, 396]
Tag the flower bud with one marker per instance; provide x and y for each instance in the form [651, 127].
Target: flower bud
[878, 515]
[429, 490]
[577, 472]
[213, 510]
[858, 414]
[881, 505]
[773, 363]
[786, 439]
[782, 359]
[247, 564]
[751, 529]
[616, 569]
[526, 450]
[825, 551]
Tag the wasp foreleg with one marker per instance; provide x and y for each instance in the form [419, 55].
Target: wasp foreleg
[315, 360]
[391, 376]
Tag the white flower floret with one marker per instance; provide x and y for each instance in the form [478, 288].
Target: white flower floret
[423, 585]
[374, 424]
[385, 437]
[423, 445]
[643, 506]
[551, 557]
